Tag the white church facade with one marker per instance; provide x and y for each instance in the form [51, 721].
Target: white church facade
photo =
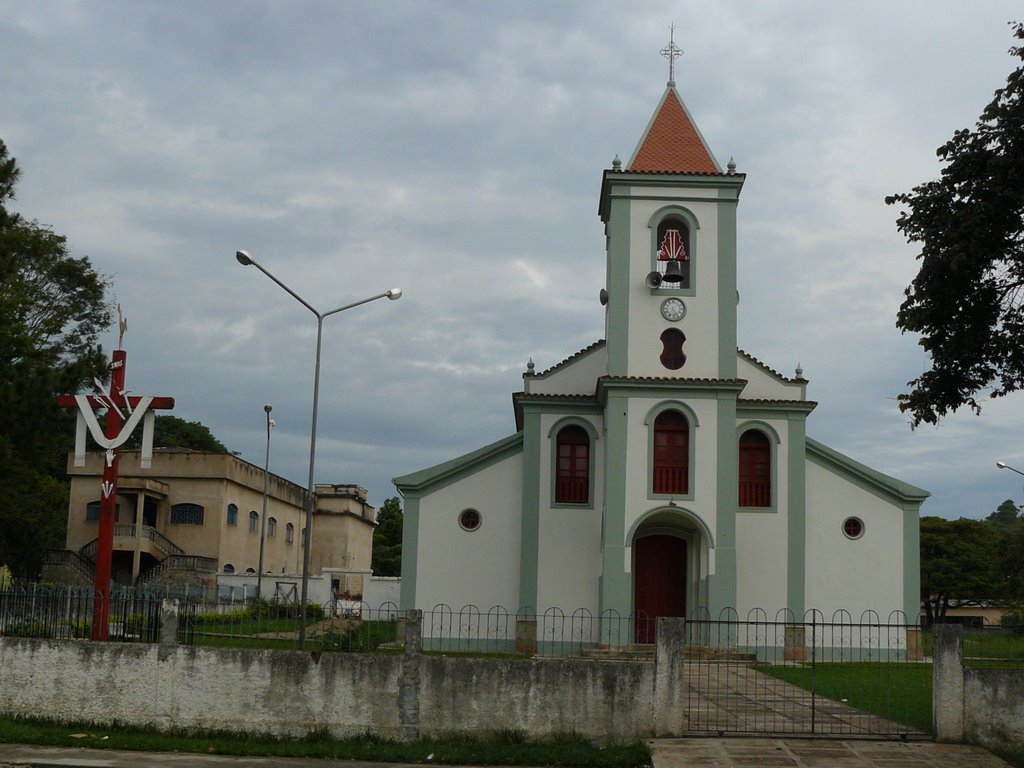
[662, 471]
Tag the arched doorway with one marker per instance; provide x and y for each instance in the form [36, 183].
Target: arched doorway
[659, 581]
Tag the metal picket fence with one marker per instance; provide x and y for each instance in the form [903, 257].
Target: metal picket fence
[67, 613]
[995, 645]
[553, 633]
[807, 675]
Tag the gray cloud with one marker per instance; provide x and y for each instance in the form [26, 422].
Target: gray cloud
[456, 150]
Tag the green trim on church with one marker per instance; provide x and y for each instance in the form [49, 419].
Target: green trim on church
[448, 472]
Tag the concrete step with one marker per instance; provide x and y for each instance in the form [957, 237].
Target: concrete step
[645, 652]
[633, 651]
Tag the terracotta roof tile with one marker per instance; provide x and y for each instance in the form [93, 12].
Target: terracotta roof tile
[672, 143]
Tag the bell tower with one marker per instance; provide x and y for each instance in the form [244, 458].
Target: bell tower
[670, 230]
[670, 394]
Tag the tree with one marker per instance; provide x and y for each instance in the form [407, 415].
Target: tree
[52, 310]
[172, 432]
[957, 563]
[387, 540]
[1013, 571]
[1006, 519]
[967, 301]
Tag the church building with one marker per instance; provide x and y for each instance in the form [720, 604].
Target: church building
[662, 471]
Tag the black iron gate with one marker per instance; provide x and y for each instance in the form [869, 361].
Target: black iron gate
[835, 678]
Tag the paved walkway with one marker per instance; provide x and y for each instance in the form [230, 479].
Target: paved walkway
[820, 753]
[667, 753]
[727, 698]
[22, 756]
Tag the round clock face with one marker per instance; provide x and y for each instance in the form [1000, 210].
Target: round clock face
[673, 309]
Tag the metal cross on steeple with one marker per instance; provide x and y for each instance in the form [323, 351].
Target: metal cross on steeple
[671, 52]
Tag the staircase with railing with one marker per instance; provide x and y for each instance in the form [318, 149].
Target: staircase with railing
[185, 564]
[127, 531]
[71, 561]
[173, 565]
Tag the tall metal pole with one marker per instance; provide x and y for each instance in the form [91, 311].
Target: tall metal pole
[263, 522]
[394, 294]
[307, 534]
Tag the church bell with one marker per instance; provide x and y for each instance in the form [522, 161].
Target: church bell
[673, 274]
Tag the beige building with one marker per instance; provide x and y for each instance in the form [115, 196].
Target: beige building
[194, 517]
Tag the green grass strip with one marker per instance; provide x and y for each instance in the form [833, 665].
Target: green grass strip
[510, 748]
[898, 692]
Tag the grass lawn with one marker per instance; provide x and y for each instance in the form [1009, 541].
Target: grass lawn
[989, 647]
[246, 630]
[501, 749]
[899, 692]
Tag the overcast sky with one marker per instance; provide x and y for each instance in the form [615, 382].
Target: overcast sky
[455, 149]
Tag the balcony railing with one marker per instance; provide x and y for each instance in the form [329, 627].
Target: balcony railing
[755, 494]
[671, 480]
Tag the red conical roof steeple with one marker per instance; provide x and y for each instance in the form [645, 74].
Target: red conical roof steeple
[672, 143]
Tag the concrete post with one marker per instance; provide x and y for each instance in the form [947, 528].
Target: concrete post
[409, 677]
[796, 642]
[948, 683]
[669, 690]
[915, 651]
[526, 636]
[169, 610]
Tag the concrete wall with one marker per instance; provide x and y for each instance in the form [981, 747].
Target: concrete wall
[378, 590]
[290, 693]
[974, 706]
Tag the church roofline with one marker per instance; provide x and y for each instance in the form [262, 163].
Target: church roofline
[665, 386]
[753, 402]
[449, 471]
[767, 368]
[613, 177]
[550, 396]
[567, 361]
[674, 174]
[701, 382]
[872, 478]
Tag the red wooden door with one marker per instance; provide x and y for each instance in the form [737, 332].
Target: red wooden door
[659, 582]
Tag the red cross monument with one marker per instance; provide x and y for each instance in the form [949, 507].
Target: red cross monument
[123, 415]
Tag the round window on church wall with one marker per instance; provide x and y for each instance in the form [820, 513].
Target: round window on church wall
[469, 519]
[853, 527]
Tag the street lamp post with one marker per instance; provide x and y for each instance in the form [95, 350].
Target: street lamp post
[394, 294]
[266, 485]
[1004, 465]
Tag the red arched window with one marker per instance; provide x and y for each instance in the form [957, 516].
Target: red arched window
[572, 474]
[755, 469]
[671, 453]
